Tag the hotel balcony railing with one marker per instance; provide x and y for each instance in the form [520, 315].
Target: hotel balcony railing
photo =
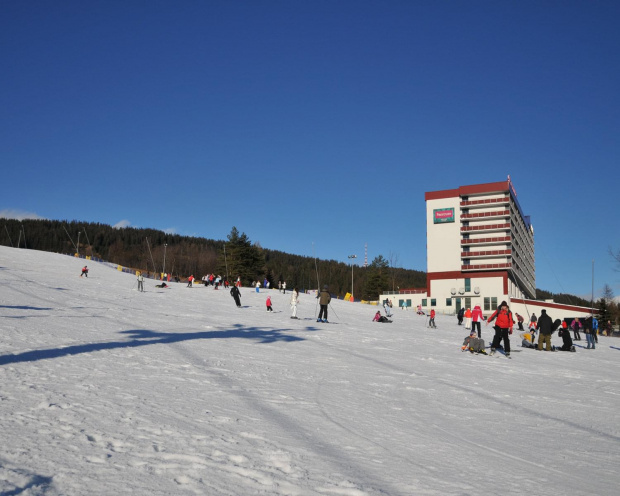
[486, 227]
[486, 253]
[495, 240]
[484, 202]
[486, 215]
[495, 266]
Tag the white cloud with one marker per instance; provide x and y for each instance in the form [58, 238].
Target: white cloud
[9, 213]
[121, 224]
[171, 230]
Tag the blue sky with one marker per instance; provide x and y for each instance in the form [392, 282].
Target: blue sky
[315, 127]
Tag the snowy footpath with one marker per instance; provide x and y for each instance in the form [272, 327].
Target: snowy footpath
[108, 391]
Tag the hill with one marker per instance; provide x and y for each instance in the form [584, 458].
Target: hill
[106, 390]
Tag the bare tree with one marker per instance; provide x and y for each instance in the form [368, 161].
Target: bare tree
[393, 262]
[616, 256]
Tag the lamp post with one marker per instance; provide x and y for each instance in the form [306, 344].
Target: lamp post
[78, 245]
[351, 257]
[164, 271]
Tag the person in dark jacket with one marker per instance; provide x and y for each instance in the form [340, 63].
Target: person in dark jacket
[567, 341]
[324, 299]
[544, 325]
[460, 315]
[587, 328]
[576, 325]
[236, 294]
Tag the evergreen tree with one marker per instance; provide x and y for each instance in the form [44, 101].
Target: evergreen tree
[243, 258]
[377, 279]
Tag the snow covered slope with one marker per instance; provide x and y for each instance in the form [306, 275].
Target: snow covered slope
[105, 390]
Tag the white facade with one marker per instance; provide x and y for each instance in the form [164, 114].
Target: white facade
[480, 249]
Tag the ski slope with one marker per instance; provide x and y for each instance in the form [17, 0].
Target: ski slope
[108, 391]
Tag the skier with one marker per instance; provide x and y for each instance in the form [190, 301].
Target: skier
[84, 271]
[140, 282]
[503, 327]
[520, 321]
[431, 320]
[324, 299]
[257, 286]
[190, 280]
[294, 300]
[283, 287]
[386, 307]
[268, 303]
[236, 294]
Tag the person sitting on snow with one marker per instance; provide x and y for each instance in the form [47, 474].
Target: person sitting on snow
[527, 339]
[474, 344]
[380, 318]
[567, 341]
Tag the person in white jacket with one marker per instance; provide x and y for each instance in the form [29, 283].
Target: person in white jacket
[294, 299]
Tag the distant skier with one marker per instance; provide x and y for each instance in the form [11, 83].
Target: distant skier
[140, 282]
[576, 325]
[294, 300]
[460, 315]
[477, 318]
[236, 294]
[84, 271]
[324, 299]
[431, 319]
[268, 303]
[190, 280]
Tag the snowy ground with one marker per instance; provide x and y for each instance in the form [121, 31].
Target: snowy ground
[107, 391]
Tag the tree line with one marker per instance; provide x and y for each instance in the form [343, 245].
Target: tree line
[153, 251]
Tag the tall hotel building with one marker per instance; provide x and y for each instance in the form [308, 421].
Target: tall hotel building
[480, 247]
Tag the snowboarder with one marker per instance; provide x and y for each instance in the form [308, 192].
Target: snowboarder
[268, 303]
[236, 294]
[324, 299]
[84, 271]
[544, 325]
[294, 300]
[567, 341]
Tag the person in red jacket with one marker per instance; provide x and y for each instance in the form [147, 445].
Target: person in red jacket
[503, 327]
[431, 320]
[476, 316]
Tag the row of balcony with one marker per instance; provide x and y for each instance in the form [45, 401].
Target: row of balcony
[484, 202]
[493, 266]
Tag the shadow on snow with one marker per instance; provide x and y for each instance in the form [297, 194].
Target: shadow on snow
[144, 337]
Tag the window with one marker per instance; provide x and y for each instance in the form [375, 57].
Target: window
[401, 303]
[487, 304]
[409, 303]
[467, 285]
[494, 303]
[448, 302]
[424, 302]
[467, 302]
[433, 302]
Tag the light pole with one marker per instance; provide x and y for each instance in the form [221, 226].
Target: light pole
[351, 257]
[165, 245]
[78, 245]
